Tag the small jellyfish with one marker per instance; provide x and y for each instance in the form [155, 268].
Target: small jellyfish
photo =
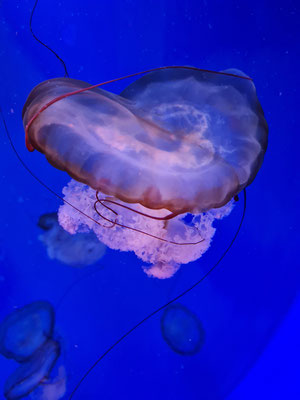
[51, 389]
[32, 372]
[26, 335]
[182, 330]
[77, 250]
[47, 221]
[26, 329]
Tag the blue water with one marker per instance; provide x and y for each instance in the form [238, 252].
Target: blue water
[249, 305]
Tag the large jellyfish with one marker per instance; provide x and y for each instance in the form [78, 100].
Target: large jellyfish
[26, 335]
[176, 141]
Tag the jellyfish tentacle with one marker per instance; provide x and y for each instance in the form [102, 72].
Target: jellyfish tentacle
[165, 218]
[100, 215]
[94, 365]
[44, 44]
[134, 229]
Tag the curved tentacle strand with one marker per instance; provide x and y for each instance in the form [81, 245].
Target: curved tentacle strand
[101, 201]
[164, 305]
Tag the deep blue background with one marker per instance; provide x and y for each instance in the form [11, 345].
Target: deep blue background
[101, 40]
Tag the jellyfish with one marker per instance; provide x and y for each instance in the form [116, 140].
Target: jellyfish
[177, 141]
[26, 335]
[78, 250]
[182, 330]
[33, 371]
[51, 389]
[25, 330]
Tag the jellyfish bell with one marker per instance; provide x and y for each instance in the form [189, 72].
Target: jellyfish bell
[182, 330]
[159, 142]
[26, 329]
[176, 141]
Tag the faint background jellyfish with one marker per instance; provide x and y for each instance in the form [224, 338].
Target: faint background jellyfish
[176, 141]
[32, 371]
[51, 389]
[182, 329]
[77, 250]
[23, 331]
[26, 335]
